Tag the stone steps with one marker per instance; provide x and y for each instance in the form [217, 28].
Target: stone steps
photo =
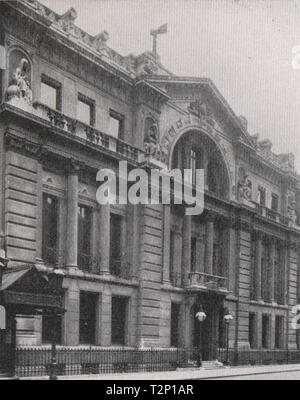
[207, 365]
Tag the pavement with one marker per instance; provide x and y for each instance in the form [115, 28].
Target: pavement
[195, 374]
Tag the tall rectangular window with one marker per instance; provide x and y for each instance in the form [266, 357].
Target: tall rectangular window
[86, 110]
[193, 254]
[119, 308]
[87, 318]
[253, 266]
[51, 93]
[252, 331]
[116, 124]
[265, 282]
[279, 332]
[84, 237]
[262, 197]
[275, 202]
[266, 331]
[175, 310]
[172, 250]
[115, 244]
[50, 229]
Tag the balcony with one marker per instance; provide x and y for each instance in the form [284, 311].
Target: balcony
[274, 215]
[200, 281]
[78, 129]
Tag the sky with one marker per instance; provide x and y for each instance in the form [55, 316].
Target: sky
[244, 46]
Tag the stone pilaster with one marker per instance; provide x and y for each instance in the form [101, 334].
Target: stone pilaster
[272, 270]
[209, 245]
[200, 252]
[186, 246]
[104, 239]
[95, 239]
[258, 256]
[72, 214]
[166, 244]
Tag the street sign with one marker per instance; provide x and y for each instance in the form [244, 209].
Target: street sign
[2, 318]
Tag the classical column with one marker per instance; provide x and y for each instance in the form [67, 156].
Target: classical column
[39, 229]
[272, 270]
[123, 246]
[200, 252]
[166, 244]
[258, 257]
[186, 246]
[72, 214]
[104, 238]
[209, 245]
[95, 239]
[62, 232]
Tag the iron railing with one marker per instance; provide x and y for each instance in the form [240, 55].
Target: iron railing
[258, 357]
[34, 362]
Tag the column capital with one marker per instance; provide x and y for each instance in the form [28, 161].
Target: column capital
[73, 167]
[210, 216]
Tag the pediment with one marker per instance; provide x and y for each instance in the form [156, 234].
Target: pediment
[201, 99]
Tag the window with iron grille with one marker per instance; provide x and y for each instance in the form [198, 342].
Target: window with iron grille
[50, 229]
[87, 318]
[84, 237]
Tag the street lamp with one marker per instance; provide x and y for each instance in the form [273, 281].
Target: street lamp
[201, 317]
[227, 319]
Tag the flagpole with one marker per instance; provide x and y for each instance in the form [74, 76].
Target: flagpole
[154, 43]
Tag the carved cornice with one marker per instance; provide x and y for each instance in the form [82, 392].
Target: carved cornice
[24, 146]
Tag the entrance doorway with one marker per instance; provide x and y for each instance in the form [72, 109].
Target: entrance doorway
[205, 334]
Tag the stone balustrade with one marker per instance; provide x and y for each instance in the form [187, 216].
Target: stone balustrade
[201, 280]
[89, 133]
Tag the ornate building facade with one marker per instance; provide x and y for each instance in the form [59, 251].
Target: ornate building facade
[135, 276]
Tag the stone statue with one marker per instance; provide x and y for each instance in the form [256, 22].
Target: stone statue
[245, 188]
[20, 84]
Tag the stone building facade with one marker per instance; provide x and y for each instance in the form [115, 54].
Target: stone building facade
[136, 276]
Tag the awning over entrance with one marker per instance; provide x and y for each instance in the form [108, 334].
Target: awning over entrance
[25, 289]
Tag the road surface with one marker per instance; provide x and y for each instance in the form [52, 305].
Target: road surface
[281, 376]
